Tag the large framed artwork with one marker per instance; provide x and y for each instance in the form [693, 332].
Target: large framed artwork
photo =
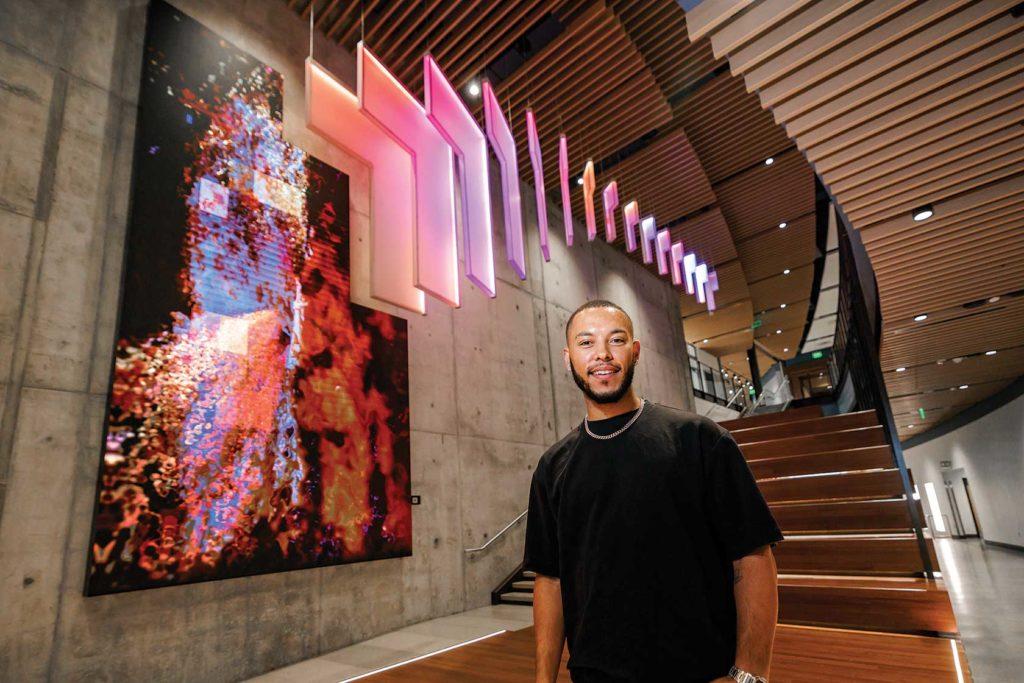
[258, 421]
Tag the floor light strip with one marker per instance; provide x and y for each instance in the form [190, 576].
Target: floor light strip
[956, 662]
[429, 654]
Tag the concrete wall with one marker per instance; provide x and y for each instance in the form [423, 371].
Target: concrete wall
[991, 452]
[488, 389]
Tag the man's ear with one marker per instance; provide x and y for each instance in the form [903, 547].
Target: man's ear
[565, 357]
[636, 350]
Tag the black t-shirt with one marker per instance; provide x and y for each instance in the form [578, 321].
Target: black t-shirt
[642, 530]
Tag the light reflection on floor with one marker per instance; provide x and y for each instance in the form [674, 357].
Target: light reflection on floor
[986, 586]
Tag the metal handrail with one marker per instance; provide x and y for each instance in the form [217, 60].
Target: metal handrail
[495, 536]
[736, 394]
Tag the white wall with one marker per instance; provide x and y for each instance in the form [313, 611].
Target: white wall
[991, 452]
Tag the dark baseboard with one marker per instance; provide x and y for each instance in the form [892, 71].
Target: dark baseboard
[1008, 546]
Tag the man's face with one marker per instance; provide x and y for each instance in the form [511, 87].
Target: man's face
[601, 353]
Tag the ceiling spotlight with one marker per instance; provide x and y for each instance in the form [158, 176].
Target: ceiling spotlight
[922, 316]
[963, 386]
[922, 213]
[786, 271]
[910, 426]
[579, 181]
[783, 224]
[474, 89]
[778, 331]
[704, 342]
[785, 350]
[782, 306]
[990, 353]
[993, 299]
[901, 369]
[769, 161]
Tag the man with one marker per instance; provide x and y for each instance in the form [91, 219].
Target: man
[650, 540]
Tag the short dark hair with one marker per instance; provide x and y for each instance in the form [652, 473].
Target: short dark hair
[597, 303]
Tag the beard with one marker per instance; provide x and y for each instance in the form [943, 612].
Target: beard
[609, 396]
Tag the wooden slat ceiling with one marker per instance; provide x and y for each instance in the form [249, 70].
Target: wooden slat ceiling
[621, 75]
[898, 104]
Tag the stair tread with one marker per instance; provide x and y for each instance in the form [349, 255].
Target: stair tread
[880, 583]
[817, 425]
[523, 585]
[516, 596]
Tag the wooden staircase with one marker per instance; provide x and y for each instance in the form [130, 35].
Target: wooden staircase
[851, 558]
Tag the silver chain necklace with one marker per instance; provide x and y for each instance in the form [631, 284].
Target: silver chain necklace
[586, 424]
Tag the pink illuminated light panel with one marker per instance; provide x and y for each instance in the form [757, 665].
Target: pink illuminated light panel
[648, 233]
[333, 111]
[610, 196]
[676, 262]
[589, 185]
[563, 177]
[630, 221]
[663, 246]
[538, 182]
[504, 146]
[387, 101]
[457, 126]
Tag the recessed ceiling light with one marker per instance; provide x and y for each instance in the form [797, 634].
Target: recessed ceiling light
[901, 369]
[963, 386]
[783, 224]
[990, 353]
[993, 299]
[769, 161]
[778, 331]
[704, 342]
[474, 88]
[922, 213]
[786, 271]
[821, 374]
[579, 181]
[785, 350]
[922, 316]
[782, 306]
[910, 426]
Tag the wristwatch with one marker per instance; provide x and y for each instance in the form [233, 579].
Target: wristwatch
[741, 676]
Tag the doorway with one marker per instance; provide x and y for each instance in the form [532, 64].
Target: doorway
[965, 524]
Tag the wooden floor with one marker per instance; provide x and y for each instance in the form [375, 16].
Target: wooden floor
[802, 654]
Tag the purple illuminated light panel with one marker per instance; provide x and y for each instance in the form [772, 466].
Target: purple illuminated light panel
[504, 145]
[589, 185]
[630, 220]
[387, 101]
[538, 182]
[701, 274]
[710, 289]
[610, 196]
[663, 246]
[689, 272]
[563, 176]
[457, 126]
[332, 110]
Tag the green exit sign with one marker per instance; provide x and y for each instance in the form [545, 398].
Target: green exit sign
[750, 390]
[817, 354]
[757, 324]
[920, 411]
